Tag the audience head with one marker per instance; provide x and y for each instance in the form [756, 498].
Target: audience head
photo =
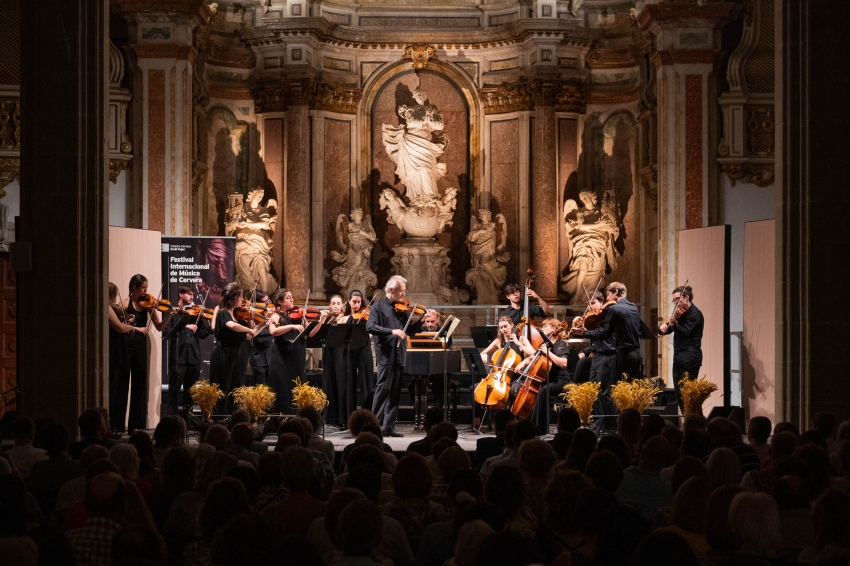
[656, 454]
[690, 505]
[270, 469]
[694, 422]
[286, 440]
[297, 469]
[831, 520]
[819, 465]
[23, 430]
[92, 425]
[467, 481]
[139, 544]
[719, 534]
[582, 447]
[617, 446]
[367, 479]
[248, 476]
[358, 418]
[506, 490]
[311, 414]
[93, 453]
[338, 501]
[524, 430]
[791, 492]
[178, 470]
[673, 436]
[218, 437]
[509, 434]
[843, 433]
[214, 468]
[360, 527]
[723, 468]
[568, 420]
[106, 496]
[226, 498]
[754, 518]
[721, 431]
[411, 477]
[628, 427]
[442, 430]
[813, 437]
[651, 426]
[824, 423]
[295, 425]
[686, 468]
[243, 435]
[537, 459]
[240, 415]
[501, 420]
[167, 432]
[758, 430]
[54, 439]
[126, 458]
[785, 426]
[144, 448]
[605, 471]
[782, 446]
[561, 443]
[452, 460]
[696, 443]
[561, 500]
[433, 416]
[469, 540]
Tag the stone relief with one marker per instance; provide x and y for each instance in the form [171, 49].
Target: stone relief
[591, 234]
[486, 242]
[254, 228]
[355, 238]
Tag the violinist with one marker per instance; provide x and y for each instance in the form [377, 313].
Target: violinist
[120, 329]
[514, 294]
[137, 350]
[334, 372]
[360, 359]
[597, 347]
[390, 328]
[183, 336]
[558, 376]
[687, 324]
[258, 347]
[229, 357]
[287, 360]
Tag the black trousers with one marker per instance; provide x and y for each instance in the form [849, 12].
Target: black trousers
[137, 354]
[387, 395]
[692, 369]
[363, 375]
[629, 363]
[582, 373]
[602, 370]
[185, 376]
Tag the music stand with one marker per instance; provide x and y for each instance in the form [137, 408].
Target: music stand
[305, 333]
[482, 336]
[476, 367]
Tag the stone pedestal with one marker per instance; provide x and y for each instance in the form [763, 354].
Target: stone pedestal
[425, 265]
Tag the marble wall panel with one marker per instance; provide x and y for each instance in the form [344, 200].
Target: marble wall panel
[156, 150]
[273, 160]
[337, 176]
[567, 178]
[693, 151]
[448, 99]
[504, 185]
[297, 221]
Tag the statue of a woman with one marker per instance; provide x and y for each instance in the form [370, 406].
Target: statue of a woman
[415, 147]
[253, 229]
[355, 238]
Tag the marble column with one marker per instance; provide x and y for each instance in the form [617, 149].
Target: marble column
[62, 236]
[544, 202]
[162, 56]
[687, 39]
[296, 202]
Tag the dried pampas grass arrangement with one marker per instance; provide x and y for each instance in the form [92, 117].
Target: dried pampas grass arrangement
[638, 394]
[206, 395]
[581, 397]
[694, 392]
[256, 399]
[306, 395]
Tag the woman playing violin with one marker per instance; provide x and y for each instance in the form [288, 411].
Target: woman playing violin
[230, 355]
[558, 376]
[120, 329]
[360, 360]
[137, 350]
[287, 360]
[183, 340]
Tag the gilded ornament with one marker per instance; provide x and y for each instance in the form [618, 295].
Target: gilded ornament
[419, 53]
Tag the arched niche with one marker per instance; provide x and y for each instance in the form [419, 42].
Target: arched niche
[227, 162]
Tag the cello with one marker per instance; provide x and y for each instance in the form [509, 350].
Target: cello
[538, 370]
[494, 390]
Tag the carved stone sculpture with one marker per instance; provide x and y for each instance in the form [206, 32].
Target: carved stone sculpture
[254, 228]
[591, 233]
[486, 242]
[355, 238]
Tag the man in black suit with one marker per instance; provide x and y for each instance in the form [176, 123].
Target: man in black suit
[490, 446]
[387, 326]
[687, 324]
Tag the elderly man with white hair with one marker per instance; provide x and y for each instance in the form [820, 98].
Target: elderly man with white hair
[387, 324]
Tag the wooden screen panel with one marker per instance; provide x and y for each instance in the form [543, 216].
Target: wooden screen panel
[8, 333]
[134, 251]
[758, 351]
[704, 262]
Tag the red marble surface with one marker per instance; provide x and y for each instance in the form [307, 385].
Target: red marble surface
[504, 184]
[693, 151]
[567, 160]
[296, 236]
[337, 183]
[544, 201]
[156, 149]
[273, 162]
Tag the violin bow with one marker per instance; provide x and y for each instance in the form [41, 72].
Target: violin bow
[676, 304]
[158, 297]
[372, 300]
[201, 313]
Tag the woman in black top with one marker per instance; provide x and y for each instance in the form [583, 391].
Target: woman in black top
[229, 359]
[120, 330]
[137, 354]
[360, 361]
[287, 360]
[557, 377]
[340, 399]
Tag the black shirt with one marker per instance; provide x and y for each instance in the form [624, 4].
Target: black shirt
[687, 343]
[185, 344]
[560, 349]
[383, 319]
[534, 311]
[622, 324]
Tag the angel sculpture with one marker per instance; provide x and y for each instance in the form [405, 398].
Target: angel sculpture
[355, 237]
[254, 228]
[486, 242]
[591, 233]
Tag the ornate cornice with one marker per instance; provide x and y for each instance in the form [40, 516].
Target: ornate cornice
[10, 123]
[758, 174]
[198, 8]
[683, 57]
[279, 95]
[243, 58]
[597, 97]
[604, 58]
[229, 93]
[526, 94]
[163, 51]
[687, 14]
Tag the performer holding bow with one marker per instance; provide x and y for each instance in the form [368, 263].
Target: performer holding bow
[390, 326]
[687, 323]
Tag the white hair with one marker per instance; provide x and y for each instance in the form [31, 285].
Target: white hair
[393, 283]
[126, 458]
[754, 517]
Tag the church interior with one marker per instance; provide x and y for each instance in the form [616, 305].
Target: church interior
[464, 145]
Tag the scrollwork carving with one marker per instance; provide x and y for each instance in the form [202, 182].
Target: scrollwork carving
[758, 174]
[419, 54]
[278, 95]
[526, 94]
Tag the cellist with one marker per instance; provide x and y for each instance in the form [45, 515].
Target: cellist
[507, 335]
[557, 376]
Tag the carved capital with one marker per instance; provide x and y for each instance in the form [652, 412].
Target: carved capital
[337, 98]
[419, 53]
[525, 95]
[115, 168]
[758, 174]
[277, 96]
[268, 97]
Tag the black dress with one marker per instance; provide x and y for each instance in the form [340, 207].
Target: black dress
[229, 360]
[337, 387]
[287, 361]
[259, 356]
[362, 368]
[119, 377]
[137, 358]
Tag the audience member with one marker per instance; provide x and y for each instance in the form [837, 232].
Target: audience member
[688, 515]
[824, 423]
[754, 518]
[664, 548]
[506, 490]
[537, 464]
[74, 489]
[782, 446]
[293, 515]
[581, 449]
[568, 420]
[724, 433]
[489, 447]
[605, 471]
[758, 432]
[139, 545]
[169, 432]
[785, 426]
[718, 532]
[412, 484]
[226, 499]
[684, 469]
[242, 437]
[106, 499]
[23, 455]
[48, 476]
[178, 477]
[360, 528]
[697, 444]
[316, 443]
[723, 468]
[423, 446]
[795, 524]
[628, 428]
[643, 485]
[831, 522]
[93, 429]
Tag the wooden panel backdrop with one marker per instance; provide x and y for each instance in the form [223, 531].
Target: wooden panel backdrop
[134, 251]
[758, 363]
[704, 261]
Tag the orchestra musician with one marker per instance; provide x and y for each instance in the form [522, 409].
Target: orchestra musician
[183, 335]
[360, 360]
[622, 326]
[431, 323]
[229, 358]
[120, 329]
[287, 360]
[557, 377]
[137, 355]
[507, 335]
[687, 324]
[388, 326]
[514, 294]
[585, 357]
[340, 400]
[258, 348]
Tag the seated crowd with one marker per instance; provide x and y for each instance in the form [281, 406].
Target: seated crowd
[651, 494]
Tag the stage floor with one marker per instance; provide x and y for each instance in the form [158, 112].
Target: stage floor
[466, 439]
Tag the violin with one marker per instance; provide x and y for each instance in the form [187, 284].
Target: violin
[148, 301]
[594, 319]
[403, 305]
[256, 312]
[299, 313]
[194, 311]
[362, 314]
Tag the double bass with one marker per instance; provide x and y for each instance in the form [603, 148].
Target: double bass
[537, 371]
